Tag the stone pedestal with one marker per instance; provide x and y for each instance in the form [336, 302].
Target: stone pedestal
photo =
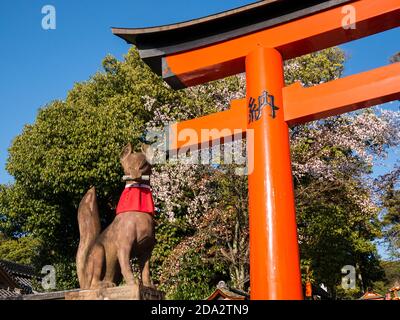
[131, 292]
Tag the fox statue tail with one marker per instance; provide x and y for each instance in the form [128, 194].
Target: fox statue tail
[89, 229]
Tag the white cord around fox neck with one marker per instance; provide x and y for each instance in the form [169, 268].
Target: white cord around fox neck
[129, 178]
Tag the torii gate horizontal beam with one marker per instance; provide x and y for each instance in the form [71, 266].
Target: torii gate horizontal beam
[336, 97]
[293, 39]
[301, 105]
[214, 128]
[214, 47]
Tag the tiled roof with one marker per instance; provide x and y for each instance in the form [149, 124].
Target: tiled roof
[22, 275]
[8, 294]
[371, 296]
[17, 269]
[225, 293]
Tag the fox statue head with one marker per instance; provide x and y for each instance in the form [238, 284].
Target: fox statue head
[137, 165]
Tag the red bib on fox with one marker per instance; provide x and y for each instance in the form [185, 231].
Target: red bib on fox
[136, 198]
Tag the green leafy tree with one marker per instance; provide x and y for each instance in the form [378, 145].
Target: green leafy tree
[391, 279]
[23, 250]
[75, 144]
[391, 219]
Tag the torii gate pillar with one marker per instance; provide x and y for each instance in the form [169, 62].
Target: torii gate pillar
[274, 252]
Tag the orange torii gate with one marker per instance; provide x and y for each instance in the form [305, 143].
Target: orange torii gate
[256, 39]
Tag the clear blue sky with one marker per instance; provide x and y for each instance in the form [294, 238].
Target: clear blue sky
[38, 66]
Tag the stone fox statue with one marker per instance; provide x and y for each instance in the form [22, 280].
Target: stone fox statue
[103, 257]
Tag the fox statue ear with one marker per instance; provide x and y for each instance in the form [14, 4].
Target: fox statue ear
[127, 150]
[148, 152]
